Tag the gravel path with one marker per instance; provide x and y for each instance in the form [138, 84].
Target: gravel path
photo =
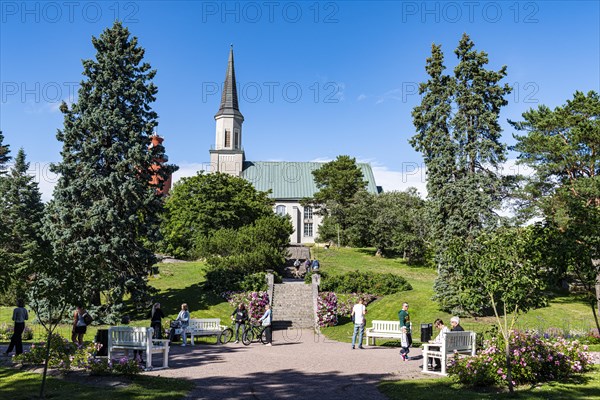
[299, 365]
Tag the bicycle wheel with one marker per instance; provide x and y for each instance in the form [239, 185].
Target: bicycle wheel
[263, 335]
[225, 336]
[248, 337]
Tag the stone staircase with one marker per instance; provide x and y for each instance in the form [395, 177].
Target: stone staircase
[293, 305]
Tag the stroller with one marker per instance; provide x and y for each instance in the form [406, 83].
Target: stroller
[176, 331]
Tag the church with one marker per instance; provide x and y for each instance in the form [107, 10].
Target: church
[289, 182]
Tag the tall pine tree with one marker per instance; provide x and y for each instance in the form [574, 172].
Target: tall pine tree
[459, 136]
[21, 215]
[4, 157]
[104, 208]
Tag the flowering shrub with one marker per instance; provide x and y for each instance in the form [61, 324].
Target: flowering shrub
[347, 301]
[65, 355]
[6, 332]
[255, 302]
[62, 353]
[327, 309]
[533, 359]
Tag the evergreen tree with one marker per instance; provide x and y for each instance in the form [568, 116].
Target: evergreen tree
[563, 147]
[459, 136]
[104, 207]
[4, 157]
[21, 215]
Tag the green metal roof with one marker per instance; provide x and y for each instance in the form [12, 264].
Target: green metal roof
[292, 180]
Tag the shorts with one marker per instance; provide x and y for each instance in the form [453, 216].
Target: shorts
[80, 329]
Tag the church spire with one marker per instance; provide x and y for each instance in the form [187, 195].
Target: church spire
[229, 98]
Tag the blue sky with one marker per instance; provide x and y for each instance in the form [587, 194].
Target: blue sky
[316, 79]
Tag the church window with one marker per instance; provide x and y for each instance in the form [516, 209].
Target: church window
[308, 213]
[236, 139]
[308, 229]
[280, 210]
[227, 138]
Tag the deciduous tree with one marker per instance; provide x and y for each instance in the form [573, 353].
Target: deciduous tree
[200, 205]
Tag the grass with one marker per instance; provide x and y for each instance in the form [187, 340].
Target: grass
[19, 385]
[581, 387]
[182, 283]
[564, 311]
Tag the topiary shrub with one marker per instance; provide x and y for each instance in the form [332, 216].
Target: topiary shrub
[363, 282]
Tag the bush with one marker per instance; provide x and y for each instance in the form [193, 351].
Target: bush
[62, 353]
[534, 359]
[347, 301]
[6, 332]
[363, 282]
[254, 282]
[255, 302]
[327, 309]
[65, 355]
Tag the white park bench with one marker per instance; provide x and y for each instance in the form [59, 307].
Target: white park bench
[205, 327]
[136, 338]
[384, 329]
[454, 342]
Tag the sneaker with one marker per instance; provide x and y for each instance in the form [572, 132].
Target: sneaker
[403, 356]
[360, 347]
[268, 344]
[182, 344]
[237, 341]
[352, 347]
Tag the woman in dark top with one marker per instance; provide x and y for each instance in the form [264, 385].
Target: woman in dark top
[156, 320]
[20, 315]
[240, 315]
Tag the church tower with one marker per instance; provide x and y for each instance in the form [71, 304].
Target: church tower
[227, 155]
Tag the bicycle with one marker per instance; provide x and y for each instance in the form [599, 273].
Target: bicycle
[254, 331]
[228, 333]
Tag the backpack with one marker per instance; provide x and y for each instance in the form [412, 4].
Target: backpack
[87, 318]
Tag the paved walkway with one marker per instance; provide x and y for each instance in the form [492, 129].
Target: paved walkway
[299, 365]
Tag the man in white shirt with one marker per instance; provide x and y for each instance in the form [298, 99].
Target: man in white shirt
[358, 316]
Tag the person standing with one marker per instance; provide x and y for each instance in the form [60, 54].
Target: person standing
[404, 318]
[455, 323]
[240, 316]
[358, 316]
[20, 315]
[79, 325]
[156, 317]
[184, 319]
[266, 322]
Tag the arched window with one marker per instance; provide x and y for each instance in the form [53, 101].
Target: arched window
[280, 210]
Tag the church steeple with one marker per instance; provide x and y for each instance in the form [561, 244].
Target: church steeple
[227, 154]
[229, 98]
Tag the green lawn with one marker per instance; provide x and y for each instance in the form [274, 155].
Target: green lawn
[16, 385]
[181, 282]
[582, 387]
[564, 312]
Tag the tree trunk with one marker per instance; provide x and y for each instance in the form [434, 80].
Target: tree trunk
[596, 264]
[509, 367]
[43, 388]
